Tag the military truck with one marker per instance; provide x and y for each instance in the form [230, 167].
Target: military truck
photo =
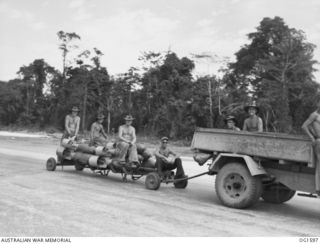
[252, 165]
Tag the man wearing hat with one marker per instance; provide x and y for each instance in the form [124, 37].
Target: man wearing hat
[72, 124]
[231, 123]
[127, 141]
[312, 128]
[98, 137]
[168, 160]
[254, 122]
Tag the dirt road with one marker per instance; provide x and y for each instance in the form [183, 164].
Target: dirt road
[35, 202]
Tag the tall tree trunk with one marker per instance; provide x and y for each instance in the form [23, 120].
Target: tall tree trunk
[173, 130]
[130, 100]
[64, 55]
[210, 103]
[219, 102]
[285, 123]
[108, 121]
[85, 98]
[28, 100]
[266, 121]
[219, 97]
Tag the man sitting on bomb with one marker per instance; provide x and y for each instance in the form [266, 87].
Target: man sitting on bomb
[98, 136]
[168, 160]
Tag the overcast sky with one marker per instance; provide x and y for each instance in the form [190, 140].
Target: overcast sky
[122, 29]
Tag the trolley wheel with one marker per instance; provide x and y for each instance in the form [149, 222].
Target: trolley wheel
[277, 193]
[236, 188]
[153, 181]
[51, 164]
[78, 166]
[181, 184]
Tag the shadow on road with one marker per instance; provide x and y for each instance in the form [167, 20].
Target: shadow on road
[204, 196]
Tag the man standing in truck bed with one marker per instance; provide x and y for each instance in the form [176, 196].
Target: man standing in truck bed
[254, 122]
[312, 128]
[231, 123]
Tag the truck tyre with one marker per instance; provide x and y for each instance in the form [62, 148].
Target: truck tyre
[78, 166]
[236, 188]
[51, 164]
[277, 193]
[153, 181]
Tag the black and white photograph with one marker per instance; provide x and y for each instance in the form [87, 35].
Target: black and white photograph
[159, 118]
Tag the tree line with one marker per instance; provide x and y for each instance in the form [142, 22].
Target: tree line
[275, 69]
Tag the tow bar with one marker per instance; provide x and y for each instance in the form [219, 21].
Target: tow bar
[187, 178]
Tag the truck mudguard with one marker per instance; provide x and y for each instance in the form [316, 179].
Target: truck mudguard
[224, 158]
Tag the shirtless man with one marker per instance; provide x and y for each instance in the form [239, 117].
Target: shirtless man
[72, 123]
[254, 122]
[312, 128]
[127, 141]
[231, 123]
[98, 137]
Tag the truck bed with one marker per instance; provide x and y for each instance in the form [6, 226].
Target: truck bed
[268, 145]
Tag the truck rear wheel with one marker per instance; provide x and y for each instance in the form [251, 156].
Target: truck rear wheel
[277, 193]
[235, 186]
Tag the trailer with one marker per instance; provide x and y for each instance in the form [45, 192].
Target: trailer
[102, 160]
[252, 165]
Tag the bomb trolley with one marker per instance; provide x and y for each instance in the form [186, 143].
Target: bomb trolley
[99, 160]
